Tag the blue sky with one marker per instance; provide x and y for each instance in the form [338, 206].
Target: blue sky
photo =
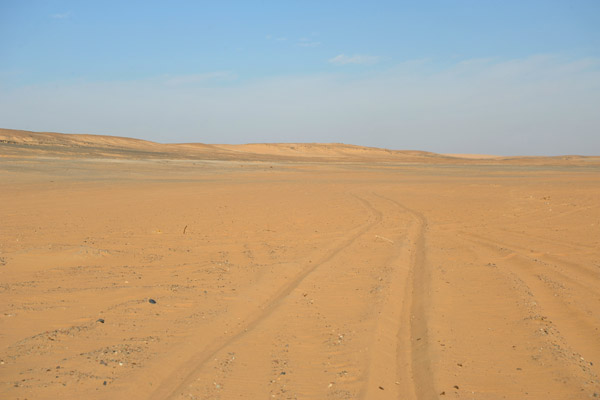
[446, 76]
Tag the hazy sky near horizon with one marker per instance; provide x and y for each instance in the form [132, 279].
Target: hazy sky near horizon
[511, 77]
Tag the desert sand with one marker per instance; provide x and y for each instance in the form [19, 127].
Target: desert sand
[138, 270]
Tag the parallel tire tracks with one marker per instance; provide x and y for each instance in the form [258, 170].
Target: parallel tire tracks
[574, 323]
[417, 298]
[174, 384]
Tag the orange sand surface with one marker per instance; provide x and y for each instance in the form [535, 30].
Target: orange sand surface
[294, 271]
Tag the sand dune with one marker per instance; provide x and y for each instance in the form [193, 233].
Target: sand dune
[474, 156]
[116, 147]
[294, 271]
[23, 143]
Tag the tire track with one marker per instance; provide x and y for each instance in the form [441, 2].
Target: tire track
[547, 259]
[541, 215]
[578, 246]
[414, 364]
[185, 375]
[574, 324]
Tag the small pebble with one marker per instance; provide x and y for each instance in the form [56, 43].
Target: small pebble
[381, 388]
[101, 320]
[104, 383]
[152, 301]
[455, 386]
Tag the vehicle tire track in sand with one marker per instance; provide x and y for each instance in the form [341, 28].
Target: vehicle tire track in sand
[538, 262]
[411, 330]
[185, 375]
[561, 243]
[574, 324]
[591, 273]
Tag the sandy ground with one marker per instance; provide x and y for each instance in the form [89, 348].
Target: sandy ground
[294, 272]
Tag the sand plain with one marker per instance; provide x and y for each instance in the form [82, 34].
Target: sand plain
[294, 271]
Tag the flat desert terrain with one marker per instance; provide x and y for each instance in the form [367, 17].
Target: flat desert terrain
[138, 270]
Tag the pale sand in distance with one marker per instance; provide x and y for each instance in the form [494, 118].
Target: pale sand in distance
[294, 271]
[474, 156]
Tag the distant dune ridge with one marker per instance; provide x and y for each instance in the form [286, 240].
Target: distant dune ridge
[100, 146]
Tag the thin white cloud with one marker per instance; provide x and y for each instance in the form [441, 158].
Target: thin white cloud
[343, 59]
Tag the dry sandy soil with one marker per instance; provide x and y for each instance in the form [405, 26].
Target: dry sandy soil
[294, 271]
